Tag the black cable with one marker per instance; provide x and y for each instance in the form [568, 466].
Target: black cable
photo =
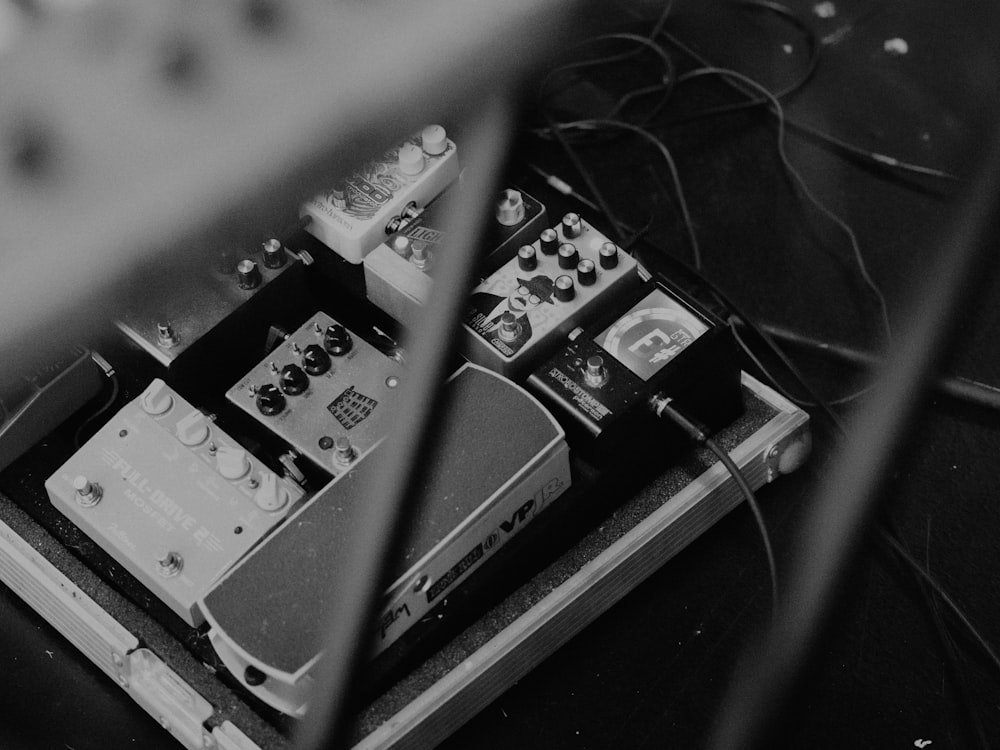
[812, 63]
[668, 159]
[803, 187]
[662, 407]
[839, 517]
[874, 158]
[101, 410]
[588, 179]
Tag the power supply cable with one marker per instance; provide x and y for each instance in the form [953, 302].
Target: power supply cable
[801, 184]
[663, 407]
[112, 378]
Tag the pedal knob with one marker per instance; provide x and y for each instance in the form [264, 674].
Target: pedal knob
[269, 496]
[337, 340]
[571, 226]
[586, 272]
[248, 274]
[193, 429]
[232, 463]
[411, 159]
[434, 140]
[156, 399]
[509, 327]
[565, 289]
[270, 400]
[274, 254]
[510, 208]
[339, 195]
[549, 240]
[293, 380]
[608, 255]
[315, 360]
[568, 256]
[596, 373]
[527, 260]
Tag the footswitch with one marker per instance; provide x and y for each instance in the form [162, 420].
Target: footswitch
[324, 390]
[601, 383]
[558, 282]
[502, 460]
[170, 496]
[399, 273]
[358, 213]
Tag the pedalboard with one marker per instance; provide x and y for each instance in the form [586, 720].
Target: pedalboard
[170, 496]
[553, 285]
[357, 214]
[399, 273]
[662, 344]
[324, 390]
[502, 459]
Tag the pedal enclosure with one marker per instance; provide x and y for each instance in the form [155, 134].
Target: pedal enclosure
[501, 459]
[531, 296]
[660, 342]
[167, 509]
[397, 285]
[354, 399]
[351, 218]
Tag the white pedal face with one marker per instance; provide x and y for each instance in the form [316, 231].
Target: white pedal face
[552, 286]
[326, 391]
[355, 216]
[169, 495]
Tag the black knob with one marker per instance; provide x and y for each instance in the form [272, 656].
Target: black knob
[565, 289]
[293, 380]
[337, 340]
[315, 359]
[568, 256]
[549, 240]
[527, 260]
[248, 274]
[270, 400]
[274, 254]
[608, 255]
[571, 226]
[586, 272]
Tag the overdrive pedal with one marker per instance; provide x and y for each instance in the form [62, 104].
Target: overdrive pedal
[326, 391]
[170, 496]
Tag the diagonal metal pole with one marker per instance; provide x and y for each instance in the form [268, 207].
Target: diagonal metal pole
[854, 486]
[379, 538]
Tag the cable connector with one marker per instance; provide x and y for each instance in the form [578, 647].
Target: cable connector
[661, 406]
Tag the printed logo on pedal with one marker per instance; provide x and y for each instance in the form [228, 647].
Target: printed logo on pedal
[351, 408]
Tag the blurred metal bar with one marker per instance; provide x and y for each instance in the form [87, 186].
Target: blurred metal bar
[379, 539]
[841, 515]
[137, 134]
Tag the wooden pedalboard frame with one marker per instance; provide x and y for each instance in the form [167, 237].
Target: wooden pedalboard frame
[530, 633]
